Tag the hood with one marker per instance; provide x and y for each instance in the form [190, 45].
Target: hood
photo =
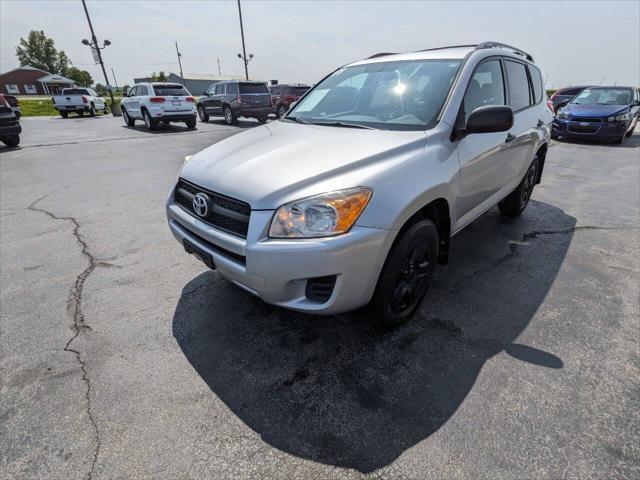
[276, 163]
[594, 110]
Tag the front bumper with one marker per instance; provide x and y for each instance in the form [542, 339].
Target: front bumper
[581, 129]
[276, 270]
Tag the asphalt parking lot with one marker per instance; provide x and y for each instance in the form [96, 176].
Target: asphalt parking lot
[123, 357]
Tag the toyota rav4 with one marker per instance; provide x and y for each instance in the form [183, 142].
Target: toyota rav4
[352, 198]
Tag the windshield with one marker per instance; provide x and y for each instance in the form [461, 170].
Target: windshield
[169, 90]
[403, 95]
[603, 96]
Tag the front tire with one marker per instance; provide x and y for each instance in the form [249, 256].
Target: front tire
[263, 119]
[149, 122]
[406, 275]
[92, 110]
[515, 203]
[128, 121]
[204, 116]
[229, 117]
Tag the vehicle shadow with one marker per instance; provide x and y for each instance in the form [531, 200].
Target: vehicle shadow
[241, 123]
[161, 128]
[629, 142]
[337, 390]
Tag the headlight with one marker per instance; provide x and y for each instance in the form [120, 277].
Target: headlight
[321, 215]
[562, 114]
[620, 118]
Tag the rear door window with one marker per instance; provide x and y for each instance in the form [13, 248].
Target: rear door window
[518, 85]
[485, 88]
[249, 88]
[171, 90]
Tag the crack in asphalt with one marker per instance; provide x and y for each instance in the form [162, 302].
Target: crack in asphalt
[74, 306]
[513, 249]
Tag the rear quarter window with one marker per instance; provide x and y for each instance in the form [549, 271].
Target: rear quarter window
[248, 88]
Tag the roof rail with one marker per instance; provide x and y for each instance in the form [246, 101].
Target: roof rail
[504, 45]
[381, 54]
[444, 48]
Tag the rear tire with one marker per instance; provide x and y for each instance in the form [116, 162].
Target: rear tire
[263, 119]
[64, 114]
[128, 121]
[149, 122]
[11, 140]
[204, 116]
[191, 123]
[515, 203]
[229, 116]
[406, 275]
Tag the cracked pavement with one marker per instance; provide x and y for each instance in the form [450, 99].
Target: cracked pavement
[123, 357]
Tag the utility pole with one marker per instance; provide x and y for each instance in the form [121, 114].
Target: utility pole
[114, 79]
[180, 63]
[244, 50]
[94, 43]
[219, 74]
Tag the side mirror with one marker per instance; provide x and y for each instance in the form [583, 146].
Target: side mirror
[205, 93]
[490, 118]
[292, 104]
[125, 94]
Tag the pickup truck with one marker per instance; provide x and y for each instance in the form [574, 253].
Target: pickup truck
[79, 100]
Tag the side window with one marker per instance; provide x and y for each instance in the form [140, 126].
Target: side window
[232, 88]
[133, 92]
[486, 87]
[220, 89]
[142, 91]
[536, 83]
[519, 94]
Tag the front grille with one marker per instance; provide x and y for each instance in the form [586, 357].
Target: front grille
[583, 128]
[586, 119]
[225, 213]
[319, 289]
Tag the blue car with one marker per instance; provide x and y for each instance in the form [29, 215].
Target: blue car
[608, 113]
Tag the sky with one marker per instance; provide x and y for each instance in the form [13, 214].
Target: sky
[573, 42]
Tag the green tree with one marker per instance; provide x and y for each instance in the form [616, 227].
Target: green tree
[39, 51]
[81, 77]
[101, 89]
[158, 77]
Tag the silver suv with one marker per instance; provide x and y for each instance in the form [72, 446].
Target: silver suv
[353, 197]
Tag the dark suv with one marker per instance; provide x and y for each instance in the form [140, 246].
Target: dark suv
[282, 96]
[562, 96]
[233, 99]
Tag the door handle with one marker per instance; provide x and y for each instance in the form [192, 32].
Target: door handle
[540, 123]
[510, 138]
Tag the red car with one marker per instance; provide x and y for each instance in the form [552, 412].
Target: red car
[282, 96]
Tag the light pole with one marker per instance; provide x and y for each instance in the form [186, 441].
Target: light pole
[180, 63]
[96, 49]
[243, 55]
[114, 79]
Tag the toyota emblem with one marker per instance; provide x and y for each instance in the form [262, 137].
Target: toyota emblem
[201, 204]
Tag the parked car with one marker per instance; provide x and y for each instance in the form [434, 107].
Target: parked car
[354, 196]
[563, 96]
[14, 104]
[233, 99]
[282, 96]
[10, 128]
[156, 103]
[609, 113]
[80, 101]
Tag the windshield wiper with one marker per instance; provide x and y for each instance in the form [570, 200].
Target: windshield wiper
[297, 119]
[343, 124]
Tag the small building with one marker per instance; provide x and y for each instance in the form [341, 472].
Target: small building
[196, 83]
[27, 80]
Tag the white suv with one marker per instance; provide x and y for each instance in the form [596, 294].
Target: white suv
[156, 103]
